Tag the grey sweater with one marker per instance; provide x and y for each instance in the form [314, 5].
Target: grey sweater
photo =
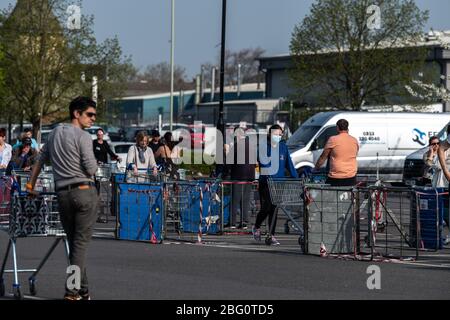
[69, 149]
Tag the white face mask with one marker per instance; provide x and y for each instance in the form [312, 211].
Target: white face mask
[276, 139]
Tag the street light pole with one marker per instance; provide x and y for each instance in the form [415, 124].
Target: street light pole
[172, 66]
[220, 122]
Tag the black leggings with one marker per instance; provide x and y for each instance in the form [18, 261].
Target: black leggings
[267, 208]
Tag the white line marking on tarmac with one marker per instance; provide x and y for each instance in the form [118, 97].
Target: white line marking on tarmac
[294, 249]
[251, 248]
[442, 266]
[10, 295]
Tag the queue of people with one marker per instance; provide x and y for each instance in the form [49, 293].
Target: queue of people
[75, 159]
[20, 157]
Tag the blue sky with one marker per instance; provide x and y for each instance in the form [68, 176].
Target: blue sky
[143, 26]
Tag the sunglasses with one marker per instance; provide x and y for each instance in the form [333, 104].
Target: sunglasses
[434, 144]
[91, 114]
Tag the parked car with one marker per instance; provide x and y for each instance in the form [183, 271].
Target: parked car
[179, 130]
[385, 139]
[414, 164]
[115, 133]
[131, 133]
[197, 132]
[121, 149]
[93, 132]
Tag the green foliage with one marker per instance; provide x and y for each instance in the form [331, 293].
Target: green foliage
[341, 62]
[45, 59]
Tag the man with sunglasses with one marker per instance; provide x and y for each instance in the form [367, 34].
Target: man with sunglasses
[69, 149]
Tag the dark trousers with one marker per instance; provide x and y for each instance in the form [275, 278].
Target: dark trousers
[241, 202]
[348, 182]
[267, 208]
[78, 212]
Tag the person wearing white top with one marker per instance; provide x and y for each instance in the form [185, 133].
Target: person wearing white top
[140, 156]
[433, 172]
[5, 150]
[444, 146]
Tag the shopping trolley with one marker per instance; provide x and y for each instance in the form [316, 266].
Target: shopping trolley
[286, 194]
[44, 182]
[177, 200]
[144, 176]
[36, 216]
[104, 187]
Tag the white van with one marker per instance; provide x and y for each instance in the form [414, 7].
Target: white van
[414, 164]
[385, 139]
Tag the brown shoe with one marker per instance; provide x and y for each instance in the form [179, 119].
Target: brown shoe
[85, 296]
[72, 297]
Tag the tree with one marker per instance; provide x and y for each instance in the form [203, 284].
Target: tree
[157, 77]
[46, 55]
[427, 91]
[345, 60]
[247, 58]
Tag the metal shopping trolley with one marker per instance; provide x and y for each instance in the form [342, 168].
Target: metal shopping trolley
[104, 189]
[177, 199]
[36, 216]
[287, 195]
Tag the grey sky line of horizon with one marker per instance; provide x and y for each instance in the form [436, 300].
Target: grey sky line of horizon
[143, 27]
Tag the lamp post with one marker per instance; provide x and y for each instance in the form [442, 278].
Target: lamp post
[172, 66]
[220, 122]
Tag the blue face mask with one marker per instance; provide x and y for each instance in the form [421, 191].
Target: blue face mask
[276, 139]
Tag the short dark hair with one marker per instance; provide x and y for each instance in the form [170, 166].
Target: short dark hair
[275, 127]
[28, 130]
[100, 129]
[433, 138]
[2, 132]
[342, 125]
[81, 104]
[155, 133]
[27, 142]
[168, 137]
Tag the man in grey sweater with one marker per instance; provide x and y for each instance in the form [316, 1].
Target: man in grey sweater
[69, 149]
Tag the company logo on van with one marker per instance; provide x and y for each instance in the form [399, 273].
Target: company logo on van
[419, 137]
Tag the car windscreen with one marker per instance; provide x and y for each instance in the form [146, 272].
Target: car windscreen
[303, 135]
[121, 148]
[197, 129]
[175, 127]
[443, 133]
[92, 130]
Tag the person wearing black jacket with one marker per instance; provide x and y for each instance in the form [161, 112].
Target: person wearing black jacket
[102, 149]
[156, 142]
[241, 165]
